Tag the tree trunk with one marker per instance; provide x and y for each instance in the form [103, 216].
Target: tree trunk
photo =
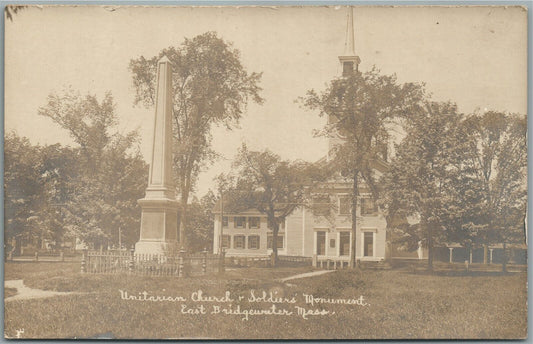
[429, 231]
[504, 258]
[182, 220]
[275, 231]
[355, 193]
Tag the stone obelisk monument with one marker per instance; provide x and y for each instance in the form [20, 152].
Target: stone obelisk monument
[159, 219]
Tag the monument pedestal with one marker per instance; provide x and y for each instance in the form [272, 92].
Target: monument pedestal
[159, 227]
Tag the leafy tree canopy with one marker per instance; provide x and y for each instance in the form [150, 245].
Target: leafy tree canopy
[211, 87]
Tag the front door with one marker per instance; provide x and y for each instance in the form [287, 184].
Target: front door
[344, 245]
[320, 243]
[368, 244]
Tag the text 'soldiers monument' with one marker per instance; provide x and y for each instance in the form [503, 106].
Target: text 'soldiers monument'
[159, 219]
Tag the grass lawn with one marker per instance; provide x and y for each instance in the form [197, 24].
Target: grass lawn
[400, 304]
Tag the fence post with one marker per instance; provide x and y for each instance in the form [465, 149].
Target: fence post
[221, 261]
[204, 262]
[132, 260]
[83, 262]
[181, 262]
[62, 256]
[36, 256]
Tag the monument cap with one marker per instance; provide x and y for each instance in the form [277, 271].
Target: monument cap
[164, 59]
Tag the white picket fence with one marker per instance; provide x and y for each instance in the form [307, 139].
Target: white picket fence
[183, 264]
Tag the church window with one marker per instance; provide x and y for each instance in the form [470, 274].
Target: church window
[321, 205]
[254, 222]
[240, 221]
[253, 242]
[368, 206]
[238, 241]
[345, 205]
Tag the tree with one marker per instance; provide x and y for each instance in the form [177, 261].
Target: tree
[275, 187]
[359, 107]
[111, 174]
[421, 178]
[211, 87]
[37, 181]
[497, 167]
[200, 223]
[58, 173]
[22, 187]
[11, 10]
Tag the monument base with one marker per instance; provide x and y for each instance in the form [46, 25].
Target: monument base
[159, 227]
[165, 248]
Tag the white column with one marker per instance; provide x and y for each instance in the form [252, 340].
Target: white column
[490, 249]
[451, 254]
[286, 246]
[374, 243]
[338, 244]
[327, 244]
[314, 242]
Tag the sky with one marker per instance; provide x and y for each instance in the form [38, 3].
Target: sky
[474, 56]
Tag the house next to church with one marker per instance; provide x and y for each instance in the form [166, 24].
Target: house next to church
[310, 232]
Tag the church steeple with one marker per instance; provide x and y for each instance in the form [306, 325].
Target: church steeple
[349, 61]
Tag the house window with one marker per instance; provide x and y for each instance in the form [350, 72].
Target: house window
[320, 243]
[270, 240]
[345, 205]
[368, 244]
[238, 241]
[344, 243]
[224, 221]
[226, 241]
[321, 205]
[368, 206]
[253, 242]
[240, 222]
[254, 222]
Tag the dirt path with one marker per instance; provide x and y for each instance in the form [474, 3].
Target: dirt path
[307, 274]
[25, 293]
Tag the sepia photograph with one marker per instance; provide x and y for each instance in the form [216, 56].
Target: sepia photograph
[265, 172]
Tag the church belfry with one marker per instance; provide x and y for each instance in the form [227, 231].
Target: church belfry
[349, 61]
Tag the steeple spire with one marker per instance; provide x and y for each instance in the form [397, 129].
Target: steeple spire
[349, 61]
[349, 44]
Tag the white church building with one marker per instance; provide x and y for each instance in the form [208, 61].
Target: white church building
[307, 232]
